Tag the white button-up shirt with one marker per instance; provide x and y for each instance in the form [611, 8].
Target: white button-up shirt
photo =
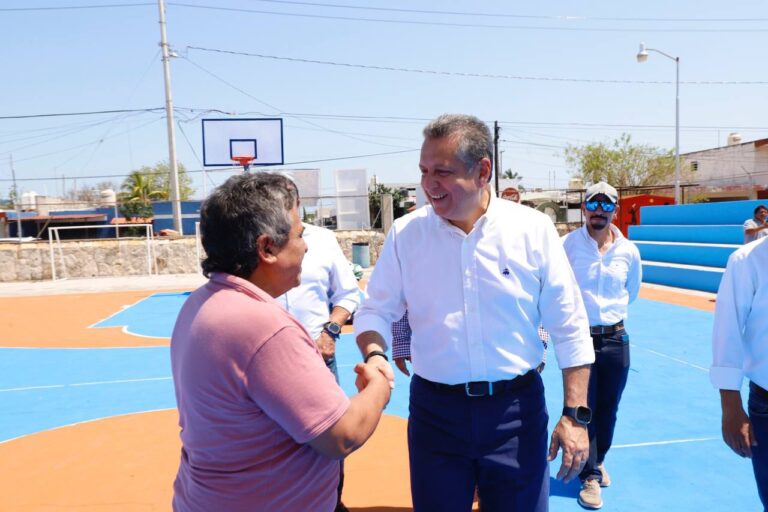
[475, 300]
[740, 332]
[609, 282]
[326, 278]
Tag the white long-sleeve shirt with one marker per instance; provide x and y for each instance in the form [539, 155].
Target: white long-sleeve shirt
[740, 332]
[326, 278]
[475, 300]
[609, 282]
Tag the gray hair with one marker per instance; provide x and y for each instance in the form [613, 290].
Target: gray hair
[237, 213]
[475, 141]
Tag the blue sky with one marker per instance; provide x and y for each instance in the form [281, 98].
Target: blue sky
[91, 59]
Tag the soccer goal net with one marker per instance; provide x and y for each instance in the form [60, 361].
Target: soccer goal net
[100, 257]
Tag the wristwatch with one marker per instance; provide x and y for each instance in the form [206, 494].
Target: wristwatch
[333, 329]
[582, 414]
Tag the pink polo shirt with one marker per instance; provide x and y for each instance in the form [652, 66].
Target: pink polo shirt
[252, 390]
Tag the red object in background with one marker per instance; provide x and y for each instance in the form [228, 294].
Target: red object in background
[629, 209]
[511, 194]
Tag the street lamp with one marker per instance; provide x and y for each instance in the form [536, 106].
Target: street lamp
[642, 56]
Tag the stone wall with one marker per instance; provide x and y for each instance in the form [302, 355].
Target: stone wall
[124, 257]
[31, 261]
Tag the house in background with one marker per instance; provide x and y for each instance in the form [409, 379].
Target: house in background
[733, 172]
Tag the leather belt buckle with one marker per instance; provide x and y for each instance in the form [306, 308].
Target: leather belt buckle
[474, 389]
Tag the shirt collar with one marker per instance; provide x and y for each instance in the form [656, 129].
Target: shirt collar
[225, 280]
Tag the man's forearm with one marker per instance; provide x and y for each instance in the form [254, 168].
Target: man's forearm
[575, 385]
[369, 341]
[339, 315]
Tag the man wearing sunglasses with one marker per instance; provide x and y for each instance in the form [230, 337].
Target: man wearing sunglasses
[607, 268]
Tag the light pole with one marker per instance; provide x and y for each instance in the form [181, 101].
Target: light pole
[642, 56]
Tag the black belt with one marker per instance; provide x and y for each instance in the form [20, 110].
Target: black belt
[606, 329]
[484, 388]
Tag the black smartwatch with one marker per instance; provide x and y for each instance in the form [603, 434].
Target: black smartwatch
[333, 329]
[582, 414]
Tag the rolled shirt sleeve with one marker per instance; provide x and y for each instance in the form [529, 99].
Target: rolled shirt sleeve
[561, 306]
[732, 308]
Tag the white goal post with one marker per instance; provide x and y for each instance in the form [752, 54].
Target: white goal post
[55, 247]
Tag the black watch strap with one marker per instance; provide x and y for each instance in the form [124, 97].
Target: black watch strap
[375, 353]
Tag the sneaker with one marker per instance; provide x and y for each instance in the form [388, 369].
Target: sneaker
[589, 495]
[606, 480]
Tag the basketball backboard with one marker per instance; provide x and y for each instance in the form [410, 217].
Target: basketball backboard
[224, 139]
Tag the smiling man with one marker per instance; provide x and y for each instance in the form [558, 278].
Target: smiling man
[477, 274]
[607, 267]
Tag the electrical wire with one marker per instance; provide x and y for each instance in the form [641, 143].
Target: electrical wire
[484, 26]
[472, 75]
[504, 15]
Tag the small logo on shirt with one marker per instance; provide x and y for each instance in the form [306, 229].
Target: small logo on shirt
[505, 272]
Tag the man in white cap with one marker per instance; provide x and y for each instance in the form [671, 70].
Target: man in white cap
[607, 268]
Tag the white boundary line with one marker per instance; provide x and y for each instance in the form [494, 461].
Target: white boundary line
[83, 423]
[140, 347]
[81, 384]
[681, 361]
[124, 307]
[661, 443]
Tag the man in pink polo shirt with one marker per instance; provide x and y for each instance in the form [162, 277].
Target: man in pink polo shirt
[263, 422]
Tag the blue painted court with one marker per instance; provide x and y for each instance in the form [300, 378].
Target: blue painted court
[668, 453]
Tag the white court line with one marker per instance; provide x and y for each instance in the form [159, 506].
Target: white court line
[88, 348]
[661, 443]
[681, 361]
[81, 384]
[84, 422]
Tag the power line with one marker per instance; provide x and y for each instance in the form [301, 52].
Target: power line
[467, 75]
[505, 15]
[74, 7]
[93, 112]
[484, 26]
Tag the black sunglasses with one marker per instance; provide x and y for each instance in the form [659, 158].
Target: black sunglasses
[607, 206]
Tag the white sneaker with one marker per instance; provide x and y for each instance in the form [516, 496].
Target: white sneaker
[589, 496]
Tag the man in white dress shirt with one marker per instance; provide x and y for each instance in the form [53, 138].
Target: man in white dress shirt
[740, 349]
[756, 227]
[325, 299]
[477, 274]
[608, 269]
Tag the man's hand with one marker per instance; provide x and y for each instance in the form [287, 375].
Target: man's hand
[400, 363]
[384, 367]
[326, 345]
[367, 374]
[574, 440]
[737, 429]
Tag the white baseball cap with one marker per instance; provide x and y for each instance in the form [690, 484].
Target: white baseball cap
[602, 188]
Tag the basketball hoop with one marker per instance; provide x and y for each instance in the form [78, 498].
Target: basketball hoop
[243, 160]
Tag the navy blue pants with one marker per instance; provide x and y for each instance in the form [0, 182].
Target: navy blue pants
[607, 380]
[331, 364]
[758, 415]
[497, 443]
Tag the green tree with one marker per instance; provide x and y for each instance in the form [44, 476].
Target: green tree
[509, 174]
[154, 183]
[621, 163]
[374, 203]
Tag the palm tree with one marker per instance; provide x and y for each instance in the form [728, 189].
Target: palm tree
[140, 187]
[511, 175]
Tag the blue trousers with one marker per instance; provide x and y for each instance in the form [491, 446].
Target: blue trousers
[607, 380]
[497, 443]
[758, 415]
